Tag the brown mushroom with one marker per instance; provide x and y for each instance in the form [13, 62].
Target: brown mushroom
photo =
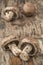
[29, 9]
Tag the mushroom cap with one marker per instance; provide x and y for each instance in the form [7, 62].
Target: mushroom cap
[8, 41]
[10, 12]
[29, 9]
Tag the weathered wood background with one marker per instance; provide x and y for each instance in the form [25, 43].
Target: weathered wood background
[33, 26]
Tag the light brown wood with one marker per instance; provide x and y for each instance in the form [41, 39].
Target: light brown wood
[15, 61]
[30, 62]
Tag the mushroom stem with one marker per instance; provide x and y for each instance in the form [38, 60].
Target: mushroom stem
[28, 49]
[24, 56]
[15, 50]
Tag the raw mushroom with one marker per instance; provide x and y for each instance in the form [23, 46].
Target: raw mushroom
[11, 43]
[29, 9]
[8, 41]
[10, 13]
[30, 46]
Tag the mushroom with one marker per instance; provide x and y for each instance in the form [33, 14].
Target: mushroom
[29, 9]
[30, 46]
[8, 41]
[10, 13]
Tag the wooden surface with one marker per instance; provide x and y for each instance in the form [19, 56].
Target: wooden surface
[33, 27]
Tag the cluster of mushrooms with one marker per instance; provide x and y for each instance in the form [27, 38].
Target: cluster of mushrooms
[24, 48]
[10, 13]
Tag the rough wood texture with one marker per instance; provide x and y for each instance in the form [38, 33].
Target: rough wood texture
[15, 61]
[23, 27]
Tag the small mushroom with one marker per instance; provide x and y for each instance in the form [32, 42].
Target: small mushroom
[10, 13]
[8, 41]
[24, 56]
[29, 45]
[29, 9]
[11, 44]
